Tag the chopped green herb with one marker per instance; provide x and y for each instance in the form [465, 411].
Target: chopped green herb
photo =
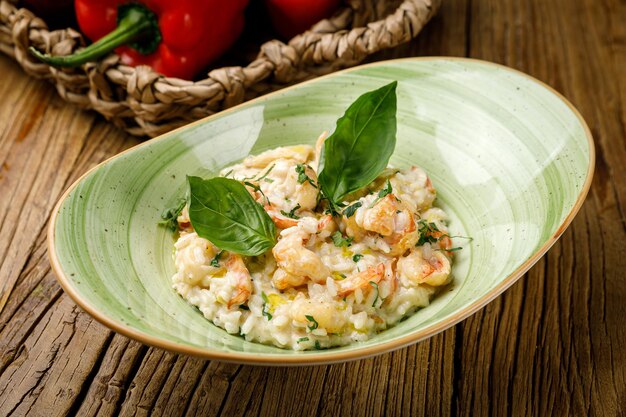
[462, 237]
[357, 257]
[266, 173]
[215, 262]
[303, 339]
[257, 188]
[170, 215]
[302, 177]
[317, 345]
[341, 241]
[375, 285]
[268, 180]
[425, 239]
[314, 324]
[228, 173]
[292, 213]
[333, 208]
[350, 210]
[385, 191]
[382, 193]
[426, 230]
[265, 311]
[451, 249]
[338, 276]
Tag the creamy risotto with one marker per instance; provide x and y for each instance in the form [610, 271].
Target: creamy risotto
[329, 280]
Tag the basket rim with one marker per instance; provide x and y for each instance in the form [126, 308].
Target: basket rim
[146, 103]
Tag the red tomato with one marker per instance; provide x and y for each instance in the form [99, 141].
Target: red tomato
[291, 17]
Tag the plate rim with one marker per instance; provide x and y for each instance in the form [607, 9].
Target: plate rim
[324, 357]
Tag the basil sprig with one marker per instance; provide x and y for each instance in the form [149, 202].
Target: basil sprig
[360, 148]
[222, 211]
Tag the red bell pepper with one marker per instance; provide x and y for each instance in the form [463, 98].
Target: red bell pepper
[290, 17]
[176, 38]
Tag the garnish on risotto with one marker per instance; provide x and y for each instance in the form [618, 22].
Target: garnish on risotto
[312, 247]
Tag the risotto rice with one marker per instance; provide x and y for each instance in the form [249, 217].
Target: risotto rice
[329, 281]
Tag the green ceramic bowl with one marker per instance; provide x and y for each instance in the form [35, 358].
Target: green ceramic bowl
[511, 159]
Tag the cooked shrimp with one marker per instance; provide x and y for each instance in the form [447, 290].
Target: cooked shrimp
[299, 153]
[389, 218]
[381, 218]
[437, 217]
[405, 236]
[443, 240]
[243, 281]
[280, 220]
[430, 267]
[353, 229]
[300, 263]
[361, 280]
[283, 280]
[324, 313]
[326, 226]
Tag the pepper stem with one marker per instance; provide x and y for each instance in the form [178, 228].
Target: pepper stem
[136, 25]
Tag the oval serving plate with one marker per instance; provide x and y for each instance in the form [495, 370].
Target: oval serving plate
[511, 159]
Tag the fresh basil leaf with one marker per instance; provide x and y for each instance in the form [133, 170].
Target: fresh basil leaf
[361, 145]
[223, 211]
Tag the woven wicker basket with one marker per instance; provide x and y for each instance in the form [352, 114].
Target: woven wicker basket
[144, 102]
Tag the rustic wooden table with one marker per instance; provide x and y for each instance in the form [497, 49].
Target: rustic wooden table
[553, 344]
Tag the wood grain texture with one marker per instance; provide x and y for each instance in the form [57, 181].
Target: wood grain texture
[553, 344]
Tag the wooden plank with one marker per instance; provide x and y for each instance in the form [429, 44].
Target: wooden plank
[556, 323]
